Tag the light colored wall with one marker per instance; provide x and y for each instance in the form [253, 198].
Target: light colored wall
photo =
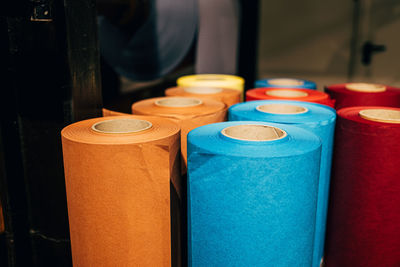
[311, 39]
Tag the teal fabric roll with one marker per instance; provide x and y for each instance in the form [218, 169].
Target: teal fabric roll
[252, 203]
[285, 83]
[316, 118]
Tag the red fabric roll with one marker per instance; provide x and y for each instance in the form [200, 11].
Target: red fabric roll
[344, 97]
[364, 211]
[305, 95]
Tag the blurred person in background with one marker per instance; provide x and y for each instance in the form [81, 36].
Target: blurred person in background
[144, 40]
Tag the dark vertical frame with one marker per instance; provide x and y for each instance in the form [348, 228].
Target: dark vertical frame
[248, 41]
[50, 78]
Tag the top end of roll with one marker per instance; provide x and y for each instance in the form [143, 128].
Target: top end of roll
[121, 126]
[254, 132]
[178, 102]
[286, 93]
[381, 115]
[203, 90]
[286, 82]
[210, 77]
[282, 109]
[366, 87]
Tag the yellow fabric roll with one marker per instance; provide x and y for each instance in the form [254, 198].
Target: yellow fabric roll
[213, 80]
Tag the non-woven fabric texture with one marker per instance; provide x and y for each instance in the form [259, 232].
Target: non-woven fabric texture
[252, 203]
[316, 118]
[364, 206]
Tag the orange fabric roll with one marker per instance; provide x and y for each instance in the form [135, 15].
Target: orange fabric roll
[122, 175]
[107, 113]
[306, 95]
[189, 112]
[227, 96]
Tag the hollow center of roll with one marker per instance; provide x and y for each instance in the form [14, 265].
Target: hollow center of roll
[282, 82]
[203, 90]
[366, 87]
[121, 126]
[281, 109]
[286, 93]
[381, 115]
[254, 132]
[178, 102]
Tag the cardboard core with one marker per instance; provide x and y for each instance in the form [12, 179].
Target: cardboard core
[282, 109]
[286, 93]
[366, 87]
[121, 126]
[203, 90]
[283, 82]
[253, 132]
[381, 115]
[178, 102]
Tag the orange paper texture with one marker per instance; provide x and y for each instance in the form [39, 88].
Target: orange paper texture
[188, 117]
[107, 113]
[227, 96]
[122, 193]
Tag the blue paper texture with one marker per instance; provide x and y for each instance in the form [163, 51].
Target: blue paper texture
[320, 120]
[251, 203]
[264, 83]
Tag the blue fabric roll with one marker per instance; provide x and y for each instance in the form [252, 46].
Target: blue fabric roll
[318, 119]
[251, 203]
[280, 83]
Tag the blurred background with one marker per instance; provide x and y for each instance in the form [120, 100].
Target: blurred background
[330, 41]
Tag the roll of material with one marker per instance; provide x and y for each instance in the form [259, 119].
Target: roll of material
[306, 95]
[318, 119]
[227, 96]
[123, 185]
[252, 194]
[188, 112]
[286, 83]
[364, 207]
[363, 94]
[108, 112]
[213, 80]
